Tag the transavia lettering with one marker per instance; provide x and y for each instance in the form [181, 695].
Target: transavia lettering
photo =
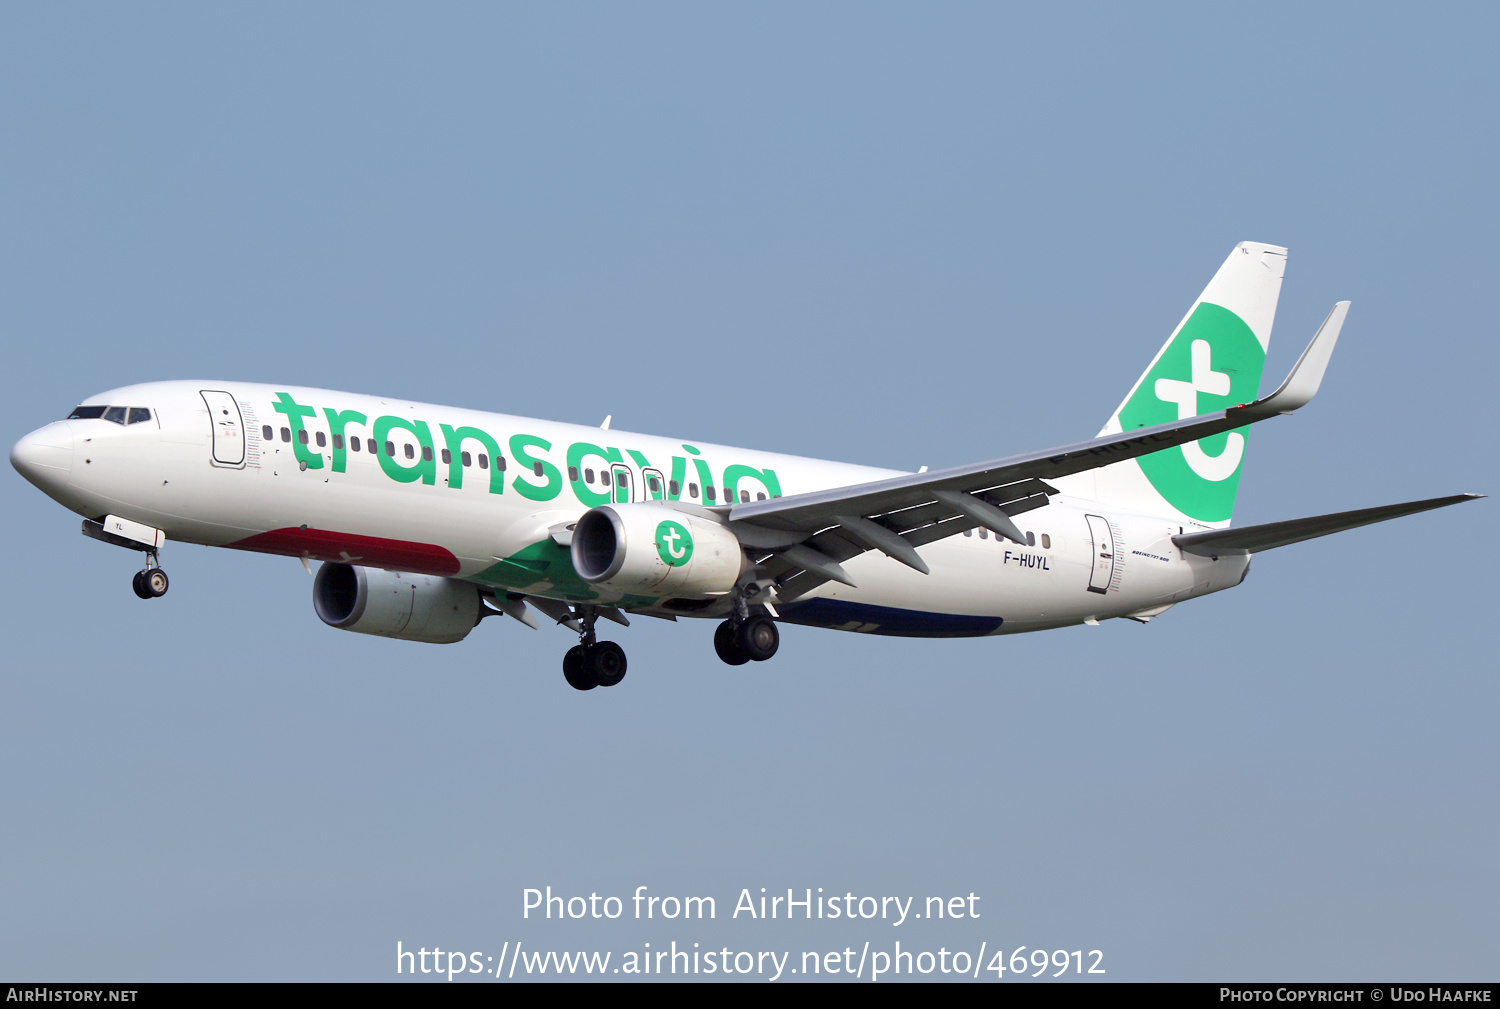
[409, 450]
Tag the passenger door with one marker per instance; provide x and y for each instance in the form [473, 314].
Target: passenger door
[1103, 552]
[228, 428]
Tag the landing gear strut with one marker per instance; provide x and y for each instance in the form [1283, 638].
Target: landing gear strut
[753, 640]
[150, 582]
[592, 663]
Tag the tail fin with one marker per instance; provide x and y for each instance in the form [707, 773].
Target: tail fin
[1212, 361]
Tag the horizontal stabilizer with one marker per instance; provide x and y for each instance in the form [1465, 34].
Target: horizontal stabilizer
[1253, 539]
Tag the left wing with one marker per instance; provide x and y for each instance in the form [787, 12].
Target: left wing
[802, 538]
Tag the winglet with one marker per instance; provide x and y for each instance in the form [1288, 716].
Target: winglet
[1302, 383]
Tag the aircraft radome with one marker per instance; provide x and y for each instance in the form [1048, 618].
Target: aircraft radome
[429, 518]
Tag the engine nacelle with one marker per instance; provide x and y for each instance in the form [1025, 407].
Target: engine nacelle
[394, 604]
[655, 551]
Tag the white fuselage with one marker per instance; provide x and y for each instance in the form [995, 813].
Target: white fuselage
[472, 495]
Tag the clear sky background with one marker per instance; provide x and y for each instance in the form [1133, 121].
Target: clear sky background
[888, 234]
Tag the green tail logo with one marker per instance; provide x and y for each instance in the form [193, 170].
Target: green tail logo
[1213, 363]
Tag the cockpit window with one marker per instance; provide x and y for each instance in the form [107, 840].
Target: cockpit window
[115, 414]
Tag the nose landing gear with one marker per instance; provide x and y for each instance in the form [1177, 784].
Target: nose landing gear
[150, 582]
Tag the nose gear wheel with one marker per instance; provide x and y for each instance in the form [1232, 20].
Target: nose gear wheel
[150, 582]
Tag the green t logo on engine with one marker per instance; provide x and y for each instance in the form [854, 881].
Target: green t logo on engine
[674, 543]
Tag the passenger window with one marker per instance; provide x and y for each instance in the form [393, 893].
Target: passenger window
[674, 489]
[968, 532]
[138, 414]
[573, 473]
[536, 468]
[500, 463]
[115, 414]
[267, 433]
[370, 445]
[286, 434]
[654, 484]
[447, 457]
[1031, 539]
[466, 458]
[427, 453]
[588, 476]
[984, 534]
[1046, 542]
[710, 493]
[604, 477]
[302, 436]
[760, 495]
[354, 444]
[338, 441]
[411, 453]
[322, 441]
[484, 461]
[692, 490]
[390, 449]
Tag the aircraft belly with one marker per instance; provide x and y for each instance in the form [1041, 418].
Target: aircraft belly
[975, 587]
[996, 586]
[870, 618]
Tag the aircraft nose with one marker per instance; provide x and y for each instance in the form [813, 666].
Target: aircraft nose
[45, 456]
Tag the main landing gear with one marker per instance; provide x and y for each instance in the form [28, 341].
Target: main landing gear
[592, 663]
[150, 582]
[752, 640]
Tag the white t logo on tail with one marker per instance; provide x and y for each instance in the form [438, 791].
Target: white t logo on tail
[1185, 395]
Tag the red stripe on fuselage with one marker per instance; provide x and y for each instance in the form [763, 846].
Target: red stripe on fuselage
[350, 548]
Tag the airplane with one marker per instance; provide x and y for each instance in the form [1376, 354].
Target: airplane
[427, 519]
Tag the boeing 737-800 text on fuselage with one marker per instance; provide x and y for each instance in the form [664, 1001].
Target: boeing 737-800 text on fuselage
[428, 518]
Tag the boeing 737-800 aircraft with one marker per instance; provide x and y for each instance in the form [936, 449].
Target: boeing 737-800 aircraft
[428, 518]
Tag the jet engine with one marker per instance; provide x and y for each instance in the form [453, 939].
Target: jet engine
[656, 551]
[394, 604]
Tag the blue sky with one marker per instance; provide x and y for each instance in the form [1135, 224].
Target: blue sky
[876, 233]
